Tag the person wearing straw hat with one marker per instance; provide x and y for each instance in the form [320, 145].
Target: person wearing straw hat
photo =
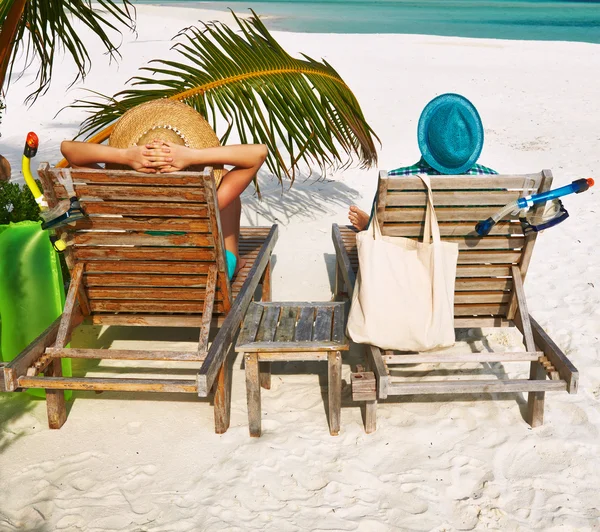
[450, 138]
[165, 136]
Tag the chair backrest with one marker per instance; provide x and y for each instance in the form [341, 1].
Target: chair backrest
[147, 245]
[484, 285]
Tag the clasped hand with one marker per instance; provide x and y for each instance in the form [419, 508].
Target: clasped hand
[158, 157]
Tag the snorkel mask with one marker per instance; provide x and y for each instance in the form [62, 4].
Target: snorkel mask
[553, 214]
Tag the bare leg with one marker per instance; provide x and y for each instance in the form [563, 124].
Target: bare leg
[230, 225]
[246, 161]
[358, 218]
[234, 182]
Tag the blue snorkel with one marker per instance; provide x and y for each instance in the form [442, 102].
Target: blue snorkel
[484, 227]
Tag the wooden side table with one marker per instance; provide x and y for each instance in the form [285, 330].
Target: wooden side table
[290, 331]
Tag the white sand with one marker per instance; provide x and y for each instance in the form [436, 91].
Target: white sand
[124, 462]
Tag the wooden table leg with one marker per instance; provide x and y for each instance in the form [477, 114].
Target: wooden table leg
[370, 416]
[265, 375]
[370, 406]
[253, 393]
[334, 385]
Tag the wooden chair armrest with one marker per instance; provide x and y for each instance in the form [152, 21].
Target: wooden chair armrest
[18, 366]
[220, 346]
[567, 371]
[343, 259]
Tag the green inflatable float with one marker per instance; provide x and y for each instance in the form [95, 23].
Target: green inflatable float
[31, 289]
[31, 284]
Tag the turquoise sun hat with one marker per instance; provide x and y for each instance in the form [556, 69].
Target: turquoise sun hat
[450, 134]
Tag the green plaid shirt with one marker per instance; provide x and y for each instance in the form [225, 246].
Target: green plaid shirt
[423, 168]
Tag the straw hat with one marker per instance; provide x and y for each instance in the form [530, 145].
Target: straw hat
[450, 134]
[167, 120]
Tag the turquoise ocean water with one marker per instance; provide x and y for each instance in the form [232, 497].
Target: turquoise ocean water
[552, 20]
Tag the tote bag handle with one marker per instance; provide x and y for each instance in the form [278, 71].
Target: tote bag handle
[432, 228]
[431, 222]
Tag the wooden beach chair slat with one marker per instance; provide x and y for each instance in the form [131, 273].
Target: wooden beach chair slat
[140, 293]
[125, 223]
[304, 327]
[126, 177]
[145, 208]
[444, 214]
[134, 238]
[144, 280]
[142, 267]
[124, 305]
[462, 198]
[482, 296]
[525, 182]
[339, 325]
[483, 283]
[120, 192]
[117, 385]
[86, 253]
[251, 323]
[268, 324]
[487, 294]
[483, 309]
[482, 270]
[287, 324]
[125, 354]
[150, 253]
[323, 324]
[457, 229]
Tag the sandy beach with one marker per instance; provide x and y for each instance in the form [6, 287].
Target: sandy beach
[153, 462]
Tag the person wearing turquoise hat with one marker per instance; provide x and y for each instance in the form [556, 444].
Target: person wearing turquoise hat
[450, 137]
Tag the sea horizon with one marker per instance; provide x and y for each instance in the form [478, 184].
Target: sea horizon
[545, 20]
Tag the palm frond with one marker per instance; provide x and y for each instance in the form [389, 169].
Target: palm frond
[300, 108]
[46, 27]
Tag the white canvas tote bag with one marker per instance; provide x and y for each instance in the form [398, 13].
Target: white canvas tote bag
[404, 293]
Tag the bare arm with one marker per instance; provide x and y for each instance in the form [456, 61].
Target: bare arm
[246, 160]
[87, 154]
[178, 157]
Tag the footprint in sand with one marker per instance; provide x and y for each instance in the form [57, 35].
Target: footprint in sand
[537, 144]
[71, 522]
[468, 478]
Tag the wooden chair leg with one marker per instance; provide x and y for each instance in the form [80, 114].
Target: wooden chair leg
[55, 399]
[253, 393]
[370, 416]
[222, 401]
[265, 367]
[266, 283]
[334, 385]
[337, 286]
[536, 400]
[265, 375]
[370, 406]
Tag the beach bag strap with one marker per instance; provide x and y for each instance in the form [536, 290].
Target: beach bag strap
[432, 228]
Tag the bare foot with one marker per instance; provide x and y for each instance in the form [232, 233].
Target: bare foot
[358, 218]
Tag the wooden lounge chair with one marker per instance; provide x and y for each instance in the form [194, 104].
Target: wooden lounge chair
[150, 254]
[489, 287]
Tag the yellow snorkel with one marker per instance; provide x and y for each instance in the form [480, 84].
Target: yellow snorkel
[30, 150]
[31, 146]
